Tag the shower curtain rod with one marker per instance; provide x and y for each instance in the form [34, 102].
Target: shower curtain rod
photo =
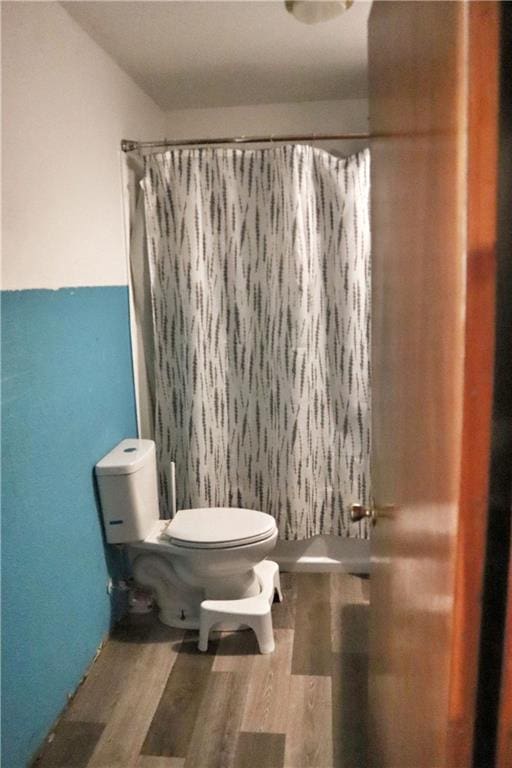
[130, 146]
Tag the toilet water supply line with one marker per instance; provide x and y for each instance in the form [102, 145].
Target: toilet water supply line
[172, 468]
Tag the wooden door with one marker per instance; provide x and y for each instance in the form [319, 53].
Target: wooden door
[433, 98]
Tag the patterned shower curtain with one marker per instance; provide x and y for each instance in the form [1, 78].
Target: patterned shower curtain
[260, 279]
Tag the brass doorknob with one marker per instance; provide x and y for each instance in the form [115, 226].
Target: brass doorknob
[360, 512]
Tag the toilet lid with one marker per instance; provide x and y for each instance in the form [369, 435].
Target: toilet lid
[219, 527]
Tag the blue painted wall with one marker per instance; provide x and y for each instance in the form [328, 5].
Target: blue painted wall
[67, 399]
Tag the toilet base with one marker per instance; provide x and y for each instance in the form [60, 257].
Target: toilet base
[181, 578]
[177, 623]
[180, 604]
[267, 576]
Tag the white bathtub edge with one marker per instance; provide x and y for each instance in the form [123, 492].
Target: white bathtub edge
[323, 554]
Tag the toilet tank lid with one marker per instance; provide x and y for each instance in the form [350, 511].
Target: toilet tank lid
[127, 457]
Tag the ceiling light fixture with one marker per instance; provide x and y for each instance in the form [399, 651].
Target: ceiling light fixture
[316, 11]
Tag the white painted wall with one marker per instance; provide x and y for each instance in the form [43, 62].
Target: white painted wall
[343, 116]
[347, 115]
[66, 106]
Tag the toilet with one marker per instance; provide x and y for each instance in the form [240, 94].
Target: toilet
[201, 554]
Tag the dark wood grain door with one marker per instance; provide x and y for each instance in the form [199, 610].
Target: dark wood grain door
[433, 97]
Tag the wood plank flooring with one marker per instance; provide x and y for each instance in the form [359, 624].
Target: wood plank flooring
[152, 700]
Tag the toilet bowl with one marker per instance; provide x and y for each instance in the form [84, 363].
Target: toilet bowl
[203, 553]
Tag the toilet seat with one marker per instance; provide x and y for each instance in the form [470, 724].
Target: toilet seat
[219, 527]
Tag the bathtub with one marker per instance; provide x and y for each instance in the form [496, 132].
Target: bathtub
[323, 553]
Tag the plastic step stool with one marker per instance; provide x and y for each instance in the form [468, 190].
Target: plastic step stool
[255, 612]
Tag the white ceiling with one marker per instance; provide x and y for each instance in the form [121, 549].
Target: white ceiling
[217, 54]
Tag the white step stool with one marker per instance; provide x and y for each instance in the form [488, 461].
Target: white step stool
[251, 611]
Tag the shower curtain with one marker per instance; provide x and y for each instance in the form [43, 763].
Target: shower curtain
[260, 277]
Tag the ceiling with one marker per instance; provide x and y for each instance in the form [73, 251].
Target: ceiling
[219, 54]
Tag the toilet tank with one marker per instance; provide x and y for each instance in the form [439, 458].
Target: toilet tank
[127, 482]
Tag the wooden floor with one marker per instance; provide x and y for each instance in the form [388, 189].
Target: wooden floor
[151, 700]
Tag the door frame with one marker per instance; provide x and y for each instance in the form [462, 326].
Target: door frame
[482, 161]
